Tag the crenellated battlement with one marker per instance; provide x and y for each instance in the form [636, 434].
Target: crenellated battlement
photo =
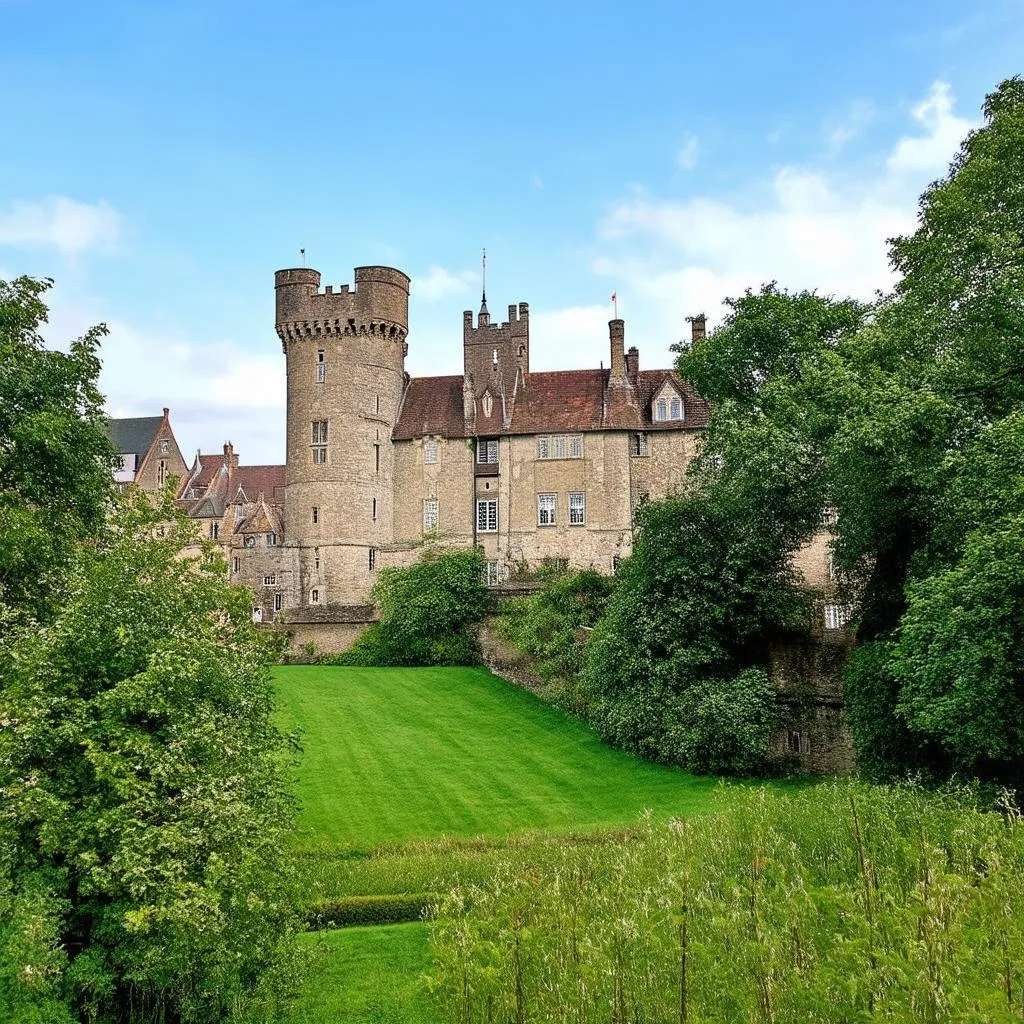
[377, 306]
[516, 326]
[496, 355]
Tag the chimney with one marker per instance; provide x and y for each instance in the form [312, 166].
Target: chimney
[633, 362]
[617, 335]
[230, 458]
[697, 329]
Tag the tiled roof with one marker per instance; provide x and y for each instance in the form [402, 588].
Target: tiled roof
[135, 434]
[257, 480]
[432, 405]
[556, 401]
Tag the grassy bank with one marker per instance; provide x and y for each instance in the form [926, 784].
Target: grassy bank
[393, 756]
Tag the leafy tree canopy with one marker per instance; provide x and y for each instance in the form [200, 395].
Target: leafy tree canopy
[55, 458]
[145, 809]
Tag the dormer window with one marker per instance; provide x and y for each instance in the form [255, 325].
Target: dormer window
[668, 406]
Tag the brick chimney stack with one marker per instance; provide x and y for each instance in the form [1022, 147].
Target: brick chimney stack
[617, 337]
[698, 328]
[632, 362]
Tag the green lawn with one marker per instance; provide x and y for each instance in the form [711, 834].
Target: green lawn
[366, 976]
[396, 755]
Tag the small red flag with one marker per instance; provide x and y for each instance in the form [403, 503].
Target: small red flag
[615, 297]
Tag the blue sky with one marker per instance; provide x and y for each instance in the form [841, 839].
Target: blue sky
[161, 160]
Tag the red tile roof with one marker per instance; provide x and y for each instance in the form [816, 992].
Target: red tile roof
[257, 480]
[557, 401]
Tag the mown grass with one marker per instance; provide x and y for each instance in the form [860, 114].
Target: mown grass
[398, 755]
[366, 976]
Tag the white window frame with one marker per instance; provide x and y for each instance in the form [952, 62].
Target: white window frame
[431, 515]
[271, 539]
[492, 573]
[675, 408]
[250, 541]
[320, 431]
[371, 558]
[638, 445]
[578, 515]
[661, 410]
[547, 509]
[560, 446]
[487, 515]
[270, 579]
[278, 601]
[214, 530]
[165, 445]
[319, 456]
[321, 366]
[487, 451]
[430, 453]
[837, 616]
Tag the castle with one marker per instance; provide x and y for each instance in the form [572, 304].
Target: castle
[531, 467]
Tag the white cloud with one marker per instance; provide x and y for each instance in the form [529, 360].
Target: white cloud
[61, 223]
[931, 152]
[438, 283]
[806, 227]
[858, 115]
[216, 391]
[686, 155]
[570, 338]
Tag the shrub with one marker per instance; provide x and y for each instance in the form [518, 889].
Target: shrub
[428, 613]
[547, 626]
[361, 910]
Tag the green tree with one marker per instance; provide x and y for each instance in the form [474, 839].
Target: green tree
[145, 808]
[55, 458]
[690, 613]
[428, 612]
[925, 469]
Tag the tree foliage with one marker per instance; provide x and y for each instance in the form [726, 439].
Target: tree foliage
[55, 458]
[428, 613]
[145, 808]
[907, 419]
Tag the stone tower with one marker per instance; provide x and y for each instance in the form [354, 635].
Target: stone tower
[345, 358]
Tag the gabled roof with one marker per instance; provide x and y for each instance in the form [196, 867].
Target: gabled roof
[559, 401]
[134, 435]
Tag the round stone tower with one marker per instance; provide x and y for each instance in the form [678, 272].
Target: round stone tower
[345, 355]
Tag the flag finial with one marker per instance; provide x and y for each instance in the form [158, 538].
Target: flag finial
[483, 285]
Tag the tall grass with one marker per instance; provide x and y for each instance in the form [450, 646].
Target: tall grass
[840, 903]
